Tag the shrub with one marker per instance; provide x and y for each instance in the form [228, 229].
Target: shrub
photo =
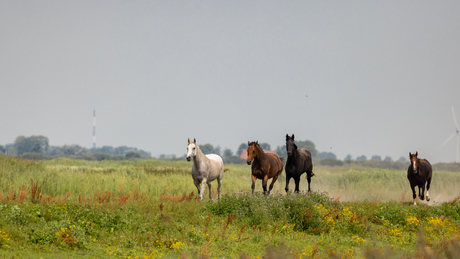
[297, 209]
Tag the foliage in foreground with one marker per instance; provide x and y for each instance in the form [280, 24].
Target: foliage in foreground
[40, 218]
[306, 225]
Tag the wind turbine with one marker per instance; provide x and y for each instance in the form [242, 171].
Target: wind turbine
[457, 131]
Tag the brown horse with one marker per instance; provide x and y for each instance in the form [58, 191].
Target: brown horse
[419, 173]
[264, 166]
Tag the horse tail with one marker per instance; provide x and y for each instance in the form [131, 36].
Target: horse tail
[226, 169]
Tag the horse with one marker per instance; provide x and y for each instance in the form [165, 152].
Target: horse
[206, 168]
[264, 166]
[419, 173]
[298, 162]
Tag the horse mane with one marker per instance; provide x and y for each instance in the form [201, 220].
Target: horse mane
[254, 143]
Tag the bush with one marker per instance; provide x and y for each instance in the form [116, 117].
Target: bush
[259, 209]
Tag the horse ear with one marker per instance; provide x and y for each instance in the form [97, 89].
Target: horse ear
[194, 140]
[189, 141]
[292, 136]
[257, 142]
[416, 153]
[287, 136]
[410, 154]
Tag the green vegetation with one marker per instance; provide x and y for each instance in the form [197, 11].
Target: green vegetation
[149, 209]
[37, 147]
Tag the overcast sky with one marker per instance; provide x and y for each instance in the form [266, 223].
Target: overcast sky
[381, 76]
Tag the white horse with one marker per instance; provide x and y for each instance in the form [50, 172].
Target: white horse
[206, 168]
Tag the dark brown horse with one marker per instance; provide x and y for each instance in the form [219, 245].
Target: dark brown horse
[264, 166]
[419, 173]
[298, 162]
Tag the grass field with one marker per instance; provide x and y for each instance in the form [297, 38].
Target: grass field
[148, 209]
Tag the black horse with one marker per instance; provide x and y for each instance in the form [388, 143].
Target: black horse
[298, 162]
[419, 173]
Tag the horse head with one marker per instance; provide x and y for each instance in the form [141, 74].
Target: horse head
[252, 151]
[414, 161]
[191, 149]
[290, 145]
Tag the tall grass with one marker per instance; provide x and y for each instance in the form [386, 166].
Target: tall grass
[152, 178]
[149, 208]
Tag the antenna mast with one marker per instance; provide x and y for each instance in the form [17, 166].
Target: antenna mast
[94, 128]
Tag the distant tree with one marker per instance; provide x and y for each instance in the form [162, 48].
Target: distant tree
[53, 150]
[265, 146]
[376, 158]
[348, 158]
[217, 150]
[227, 153]
[2, 149]
[281, 151]
[74, 150]
[308, 145]
[241, 148]
[165, 156]
[131, 154]
[324, 155]
[122, 150]
[402, 160]
[361, 158]
[104, 150]
[102, 156]
[209, 149]
[387, 158]
[36, 144]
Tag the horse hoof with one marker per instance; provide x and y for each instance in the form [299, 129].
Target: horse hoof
[427, 198]
[422, 198]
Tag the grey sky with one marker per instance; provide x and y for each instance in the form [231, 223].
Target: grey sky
[381, 76]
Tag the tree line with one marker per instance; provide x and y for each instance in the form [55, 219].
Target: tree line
[37, 147]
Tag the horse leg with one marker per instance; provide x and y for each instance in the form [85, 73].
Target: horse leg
[264, 184]
[288, 178]
[197, 185]
[273, 183]
[422, 194]
[309, 181]
[203, 186]
[210, 191]
[297, 183]
[428, 182]
[219, 184]
[253, 186]
[413, 193]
